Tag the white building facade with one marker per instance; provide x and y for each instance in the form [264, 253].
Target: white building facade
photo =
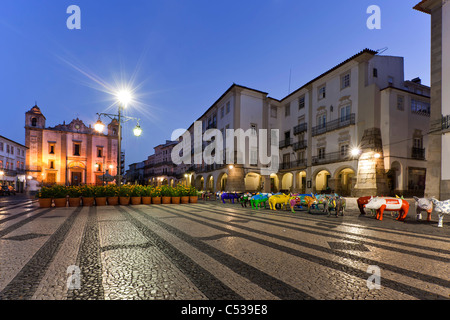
[438, 177]
[363, 104]
[12, 163]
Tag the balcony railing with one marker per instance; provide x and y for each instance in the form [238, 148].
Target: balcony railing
[334, 125]
[446, 122]
[418, 153]
[209, 167]
[300, 145]
[293, 164]
[285, 143]
[331, 157]
[300, 128]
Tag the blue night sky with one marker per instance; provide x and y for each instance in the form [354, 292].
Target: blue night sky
[181, 55]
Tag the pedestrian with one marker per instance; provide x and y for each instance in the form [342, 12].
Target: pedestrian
[32, 187]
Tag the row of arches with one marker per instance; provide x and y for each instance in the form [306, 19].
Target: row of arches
[322, 180]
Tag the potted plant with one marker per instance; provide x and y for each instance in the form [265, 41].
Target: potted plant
[146, 195]
[111, 192]
[176, 195]
[156, 195]
[184, 194]
[74, 193]
[193, 195]
[166, 194]
[59, 195]
[100, 195]
[135, 193]
[45, 197]
[124, 195]
[87, 195]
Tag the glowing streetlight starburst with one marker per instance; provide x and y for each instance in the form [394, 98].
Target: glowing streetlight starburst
[124, 97]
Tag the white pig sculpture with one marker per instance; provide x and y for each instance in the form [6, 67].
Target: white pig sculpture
[441, 207]
[381, 204]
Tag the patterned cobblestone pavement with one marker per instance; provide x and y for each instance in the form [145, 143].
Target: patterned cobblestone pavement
[216, 251]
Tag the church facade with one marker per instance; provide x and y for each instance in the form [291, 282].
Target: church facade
[69, 154]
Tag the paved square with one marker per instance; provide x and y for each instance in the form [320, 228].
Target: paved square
[212, 250]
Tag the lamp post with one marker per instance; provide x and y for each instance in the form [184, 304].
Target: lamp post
[123, 97]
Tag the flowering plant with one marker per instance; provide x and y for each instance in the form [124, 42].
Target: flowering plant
[124, 191]
[74, 191]
[87, 191]
[155, 191]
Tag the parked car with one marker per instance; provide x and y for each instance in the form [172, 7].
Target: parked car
[7, 190]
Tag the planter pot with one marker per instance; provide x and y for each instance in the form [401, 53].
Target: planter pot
[124, 201]
[156, 200]
[74, 202]
[113, 201]
[100, 201]
[165, 200]
[60, 202]
[176, 200]
[135, 200]
[45, 202]
[193, 199]
[146, 200]
[185, 199]
[88, 201]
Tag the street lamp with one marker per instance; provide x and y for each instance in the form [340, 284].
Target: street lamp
[123, 97]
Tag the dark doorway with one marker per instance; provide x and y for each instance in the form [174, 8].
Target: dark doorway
[76, 178]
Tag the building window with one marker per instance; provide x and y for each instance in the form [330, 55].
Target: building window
[228, 105]
[301, 102]
[322, 92]
[345, 113]
[420, 107]
[345, 81]
[98, 167]
[321, 120]
[400, 103]
[375, 72]
[7, 148]
[321, 153]
[51, 148]
[273, 112]
[344, 150]
[76, 149]
[1, 164]
[287, 110]
[99, 152]
[33, 122]
[222, 112]
[51, 164]
[418, 142]
[12, 150]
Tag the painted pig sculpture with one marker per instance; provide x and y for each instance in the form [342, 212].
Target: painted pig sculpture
[362, 201]
[229, 196]
[441, 207]
[282, 199]
[423, 204]
[381, 204]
